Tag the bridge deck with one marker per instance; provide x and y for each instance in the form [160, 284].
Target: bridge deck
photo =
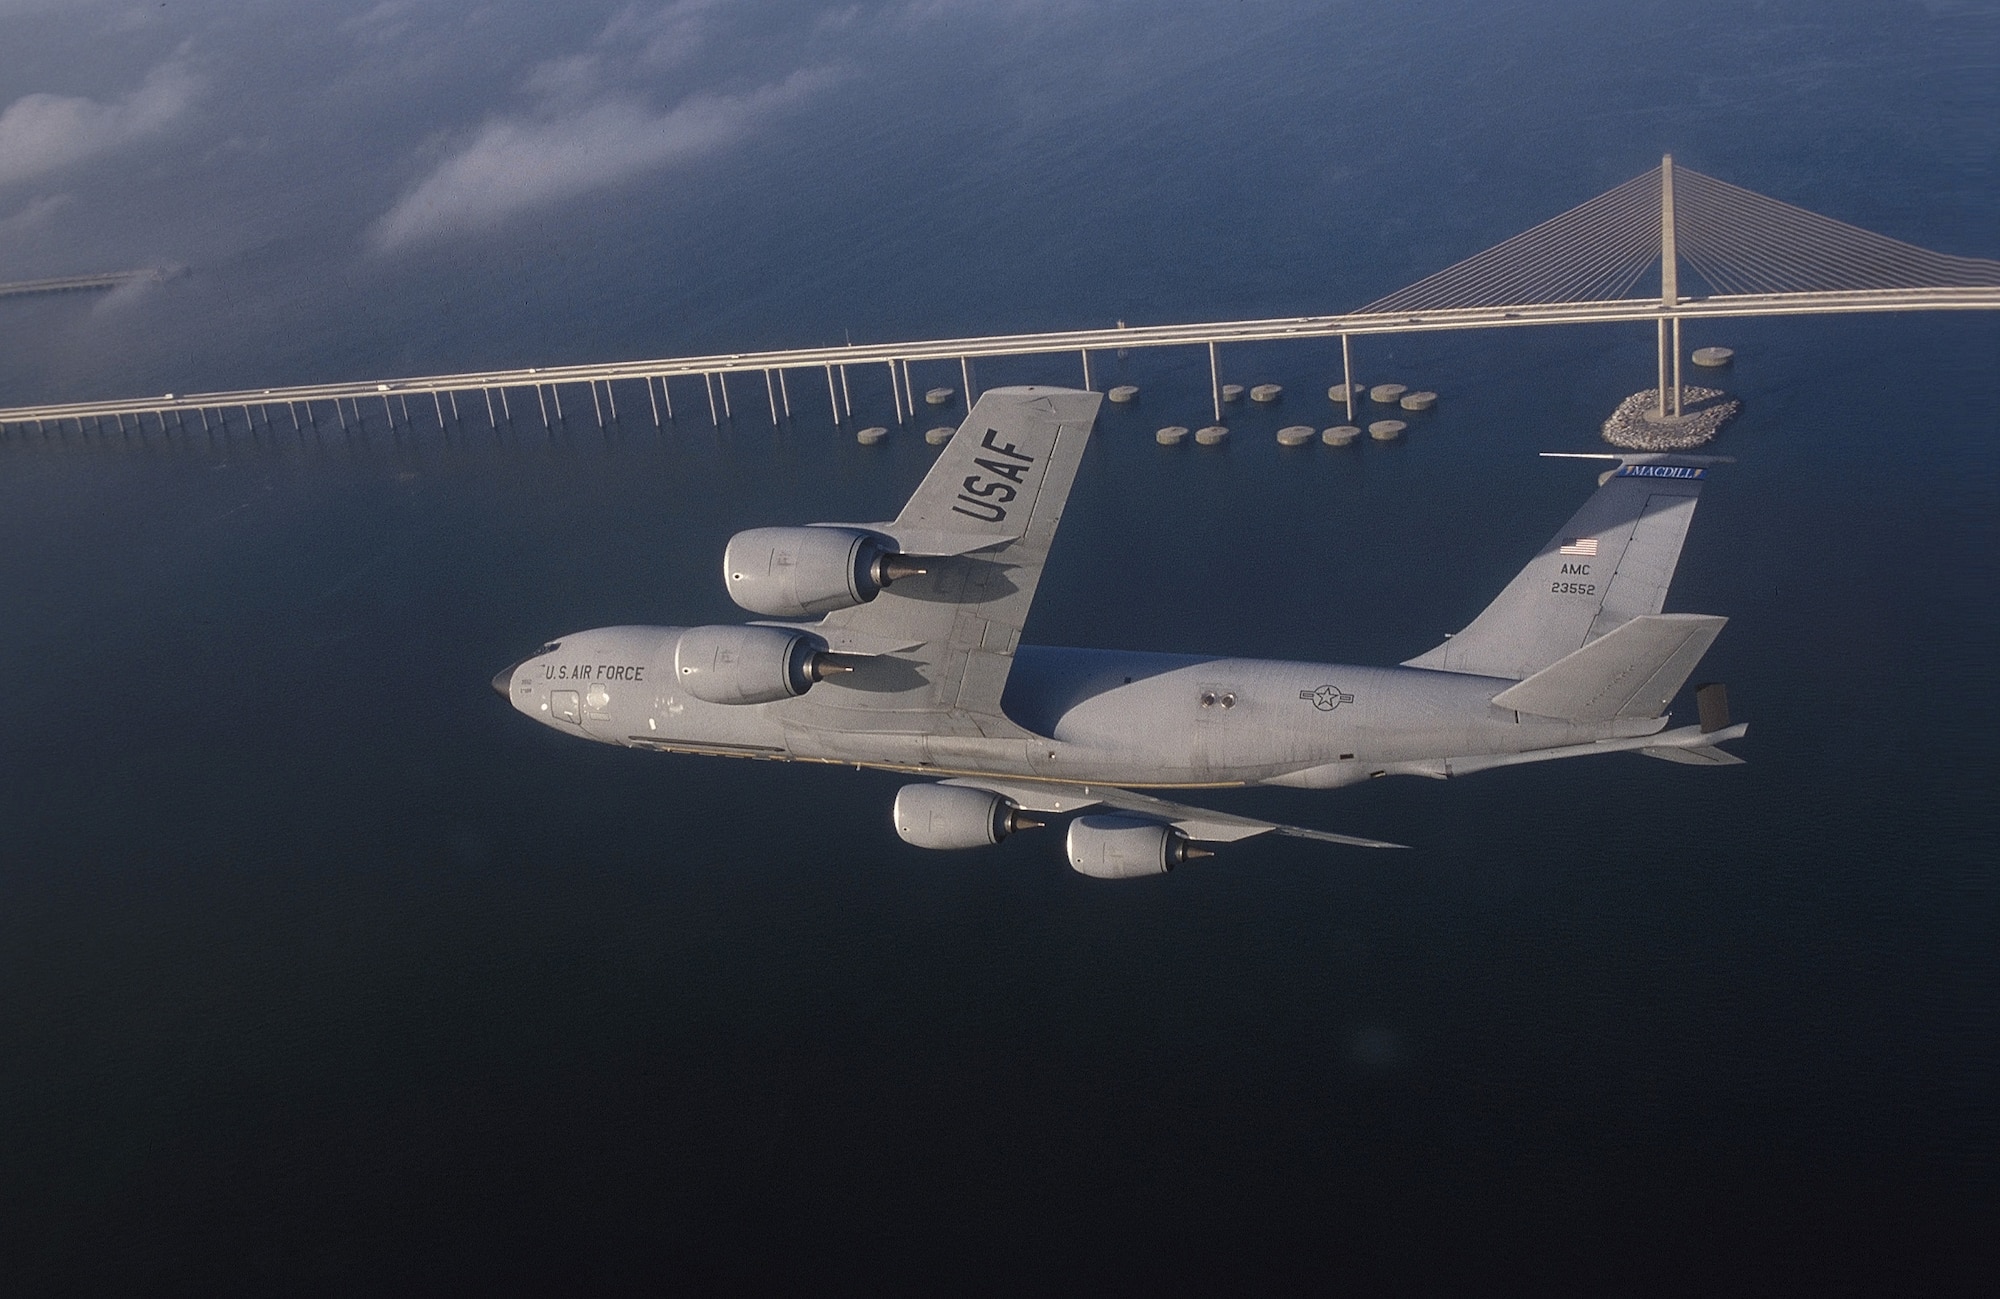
[1079, 341]
[72, 283]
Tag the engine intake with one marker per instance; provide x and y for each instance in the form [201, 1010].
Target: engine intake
[802, 572]
[751, 665]
[955, 816]
[1126, 847]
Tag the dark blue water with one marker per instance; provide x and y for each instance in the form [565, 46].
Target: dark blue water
[322, 971]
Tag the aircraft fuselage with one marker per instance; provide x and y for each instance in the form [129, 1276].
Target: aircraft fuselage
[1114, 717]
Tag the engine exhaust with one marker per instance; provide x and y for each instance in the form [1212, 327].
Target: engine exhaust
[890, 569]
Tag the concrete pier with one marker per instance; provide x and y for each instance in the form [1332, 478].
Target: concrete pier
[1636, 424]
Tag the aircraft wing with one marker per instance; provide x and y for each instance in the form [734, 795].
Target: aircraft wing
[1198, 823]
[942, 642]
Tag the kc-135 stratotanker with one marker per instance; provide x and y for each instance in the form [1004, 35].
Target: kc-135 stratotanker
[897, 645]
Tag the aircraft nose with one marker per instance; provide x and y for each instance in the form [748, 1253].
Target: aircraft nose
[503, 680]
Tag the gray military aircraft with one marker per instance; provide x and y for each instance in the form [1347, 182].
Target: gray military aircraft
[896, 645]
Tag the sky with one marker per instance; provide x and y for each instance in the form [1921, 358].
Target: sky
[356, 188]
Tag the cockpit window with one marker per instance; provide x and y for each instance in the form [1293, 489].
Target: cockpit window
[552, 647]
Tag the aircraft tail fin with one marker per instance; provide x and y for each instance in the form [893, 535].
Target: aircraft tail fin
[1632, 671]
[1611, 563]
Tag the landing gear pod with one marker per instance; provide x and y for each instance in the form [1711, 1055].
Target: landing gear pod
[751, 665]
[800, 572]
[955, 816]
[1125, 847]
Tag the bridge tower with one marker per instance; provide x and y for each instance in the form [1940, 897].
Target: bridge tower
[1670, 295]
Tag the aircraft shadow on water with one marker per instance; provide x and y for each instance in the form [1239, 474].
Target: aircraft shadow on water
[897, 645]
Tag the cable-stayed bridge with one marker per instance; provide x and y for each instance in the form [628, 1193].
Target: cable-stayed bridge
[1714, 249]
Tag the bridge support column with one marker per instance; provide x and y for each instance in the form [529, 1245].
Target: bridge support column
[1662, 411]
[1215, 381]
[1677, 367]
[1347, 376]
[832, 397]
[1086, 371]
[965, 377]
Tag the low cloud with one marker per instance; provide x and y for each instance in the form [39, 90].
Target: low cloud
[33, 215]
[44, 133]
[665, 37]
[520, 163]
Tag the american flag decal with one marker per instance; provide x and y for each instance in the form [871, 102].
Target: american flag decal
[1579, 546]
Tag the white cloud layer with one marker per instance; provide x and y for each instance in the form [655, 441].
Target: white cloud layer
[666, 36]
[42, 133]
[520, 163]
[36, 214]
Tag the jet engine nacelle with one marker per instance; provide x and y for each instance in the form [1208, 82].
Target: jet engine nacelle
[954, 816]
[750, 665]
[801, 572]
[1124, 847]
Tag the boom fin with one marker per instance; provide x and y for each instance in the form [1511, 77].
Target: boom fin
[1611, 563]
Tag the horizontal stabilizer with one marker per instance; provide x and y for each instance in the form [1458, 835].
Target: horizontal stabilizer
[1632, 671]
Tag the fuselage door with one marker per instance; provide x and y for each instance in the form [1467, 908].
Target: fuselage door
[564, 706]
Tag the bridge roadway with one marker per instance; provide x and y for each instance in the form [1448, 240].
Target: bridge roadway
[835, 360]
[70, 283]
